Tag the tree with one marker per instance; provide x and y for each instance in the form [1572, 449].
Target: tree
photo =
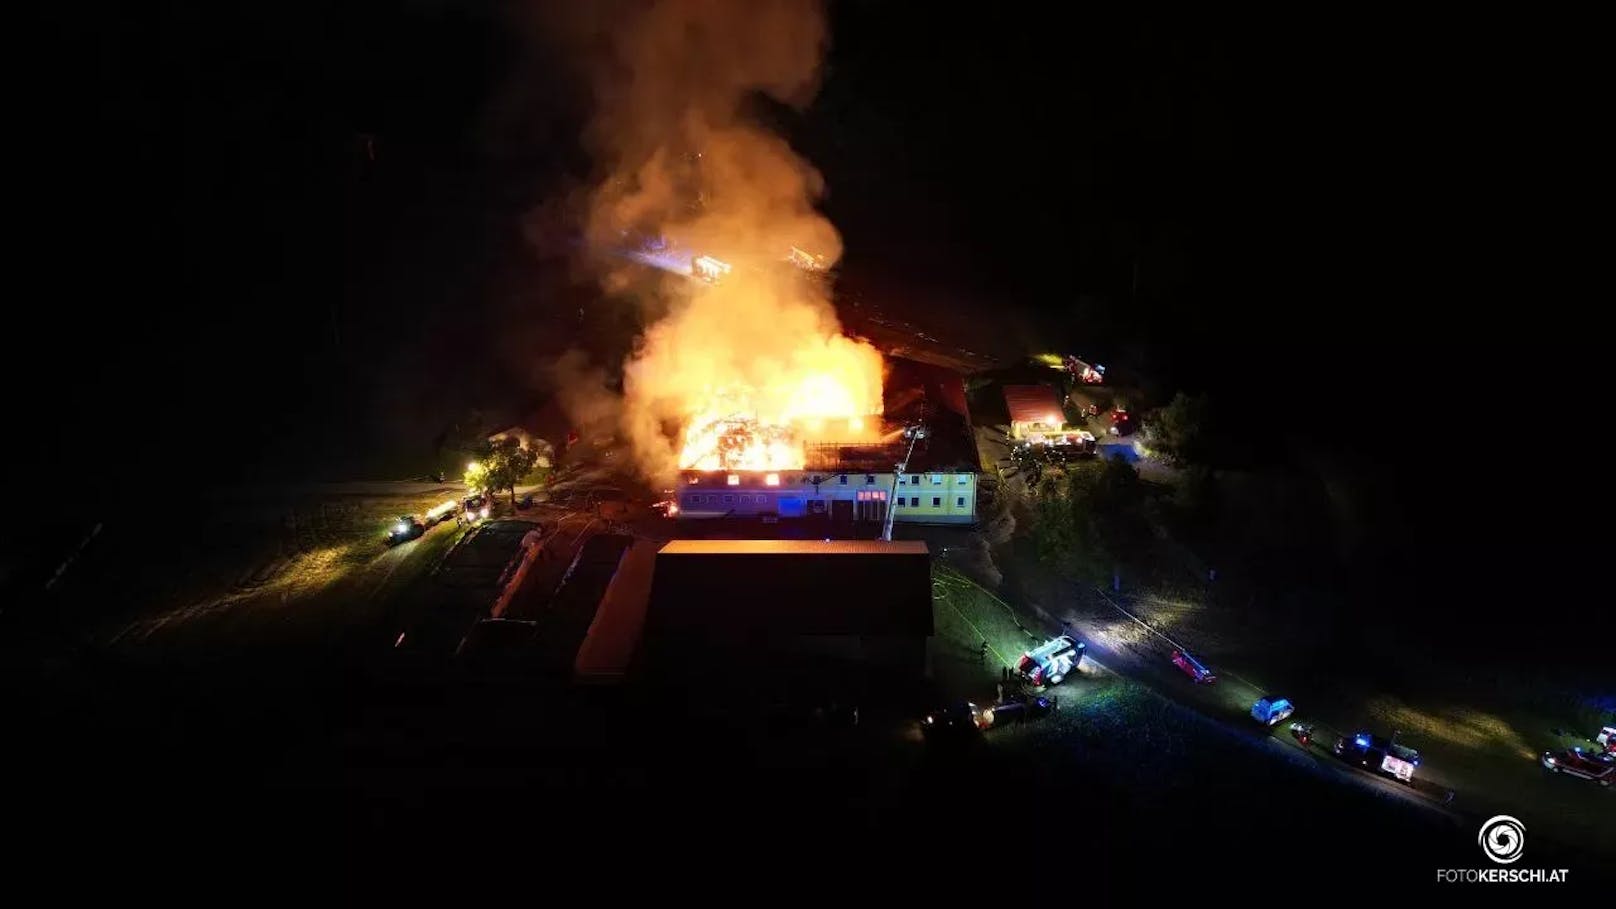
[508, 461]
[1179, 431]
[477, 476]
[1196, 502]
[1094, 519]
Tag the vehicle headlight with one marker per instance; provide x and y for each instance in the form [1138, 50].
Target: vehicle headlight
[1553, 761]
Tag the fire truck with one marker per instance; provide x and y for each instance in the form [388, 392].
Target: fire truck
[1052, 661]
[1087, 374]
[1382, 756]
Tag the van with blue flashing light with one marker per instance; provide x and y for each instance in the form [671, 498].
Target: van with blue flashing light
[1271, 711]
[1383, 756]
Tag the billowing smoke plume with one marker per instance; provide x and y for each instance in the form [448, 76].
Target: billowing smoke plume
[685, 163]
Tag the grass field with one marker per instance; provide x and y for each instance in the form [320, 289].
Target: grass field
[250, 568]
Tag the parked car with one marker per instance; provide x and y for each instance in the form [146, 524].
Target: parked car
[1192, 667]
[475, 508]
[1271, 711]
[1601, 768]
[960, 721]
[1121, 423]
[1018, 708]
[406, 528]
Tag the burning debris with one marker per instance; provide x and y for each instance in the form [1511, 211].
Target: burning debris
[742, 442]
[738, 443]
[806, 260]
[709, 269]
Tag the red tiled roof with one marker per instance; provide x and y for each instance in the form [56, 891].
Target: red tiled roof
[1032, 404]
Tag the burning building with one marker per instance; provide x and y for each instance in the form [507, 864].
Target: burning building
[742, 388]
[842, 471]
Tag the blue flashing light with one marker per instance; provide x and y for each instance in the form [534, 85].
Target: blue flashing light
[1362, 741]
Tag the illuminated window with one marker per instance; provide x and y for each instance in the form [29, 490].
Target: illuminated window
[963, 478]
[734, 479]
[936, 479]
[771, 479]
[937, 501]
[694, 479]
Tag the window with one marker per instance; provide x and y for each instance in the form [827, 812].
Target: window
[962, 479]
[959, 502]
[771, 479]
[901, 501]
[842, 480]
[937, 501]
[869, 479]
[936, 479]
[734, 479]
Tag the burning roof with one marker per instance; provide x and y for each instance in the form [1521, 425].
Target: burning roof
[911, 393]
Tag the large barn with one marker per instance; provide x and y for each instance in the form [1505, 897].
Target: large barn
[848, 486]
[726, 605]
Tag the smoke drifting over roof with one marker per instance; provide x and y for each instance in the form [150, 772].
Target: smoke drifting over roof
[681, 163]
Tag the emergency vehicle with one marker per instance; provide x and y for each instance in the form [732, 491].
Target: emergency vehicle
[1601, 768]
[1052, 661]
[1379, 755]
[1192, 667]
[1271, 711]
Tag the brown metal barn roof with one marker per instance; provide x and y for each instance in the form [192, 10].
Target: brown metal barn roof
[1033, 404]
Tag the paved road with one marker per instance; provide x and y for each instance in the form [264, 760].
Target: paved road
[1225, 701]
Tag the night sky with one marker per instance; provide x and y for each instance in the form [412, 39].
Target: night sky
[291, 228]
